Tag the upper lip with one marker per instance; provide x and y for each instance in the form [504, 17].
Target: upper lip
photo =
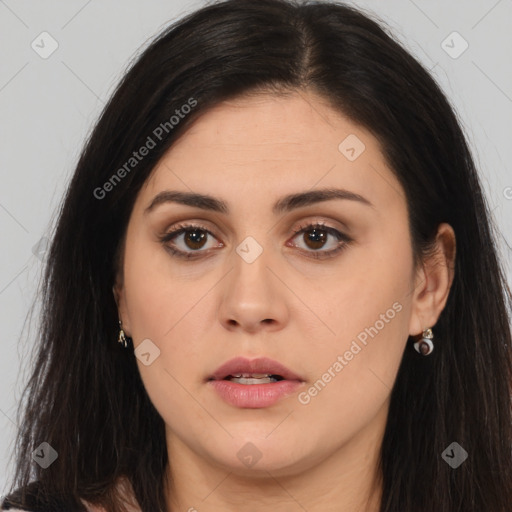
[258, 365]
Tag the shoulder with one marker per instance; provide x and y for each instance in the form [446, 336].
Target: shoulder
[32, 498]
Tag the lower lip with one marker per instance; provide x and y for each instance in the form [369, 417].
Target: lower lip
[254, 395]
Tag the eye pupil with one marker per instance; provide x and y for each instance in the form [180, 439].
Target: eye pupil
[196, 239]
[318, 238]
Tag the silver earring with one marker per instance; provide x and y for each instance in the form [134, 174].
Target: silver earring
[424, 346]
[122, 338]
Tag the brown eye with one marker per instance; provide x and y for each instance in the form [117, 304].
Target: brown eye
[194, 239]
[187, 241]
[317, 236]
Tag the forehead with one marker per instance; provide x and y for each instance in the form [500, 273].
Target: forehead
[265, 124]
[274, 144]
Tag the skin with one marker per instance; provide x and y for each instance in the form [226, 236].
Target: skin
[286, 305]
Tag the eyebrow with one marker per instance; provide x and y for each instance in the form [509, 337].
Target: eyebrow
[283, 205]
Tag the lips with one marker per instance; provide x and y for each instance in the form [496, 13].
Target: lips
[254, 367]
[254, 383]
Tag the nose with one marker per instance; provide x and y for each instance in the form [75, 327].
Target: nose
[254, 295]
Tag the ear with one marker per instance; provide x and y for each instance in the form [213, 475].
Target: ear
[119, 296]
[433, 282]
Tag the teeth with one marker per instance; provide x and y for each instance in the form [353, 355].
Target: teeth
[253, 375]
[256, 380]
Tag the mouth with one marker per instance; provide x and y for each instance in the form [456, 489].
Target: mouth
[254, 383]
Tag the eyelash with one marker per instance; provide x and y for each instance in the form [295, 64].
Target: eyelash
[183, 228]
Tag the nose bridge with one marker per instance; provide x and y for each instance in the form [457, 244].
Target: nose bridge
[251, 259]
[254, 247]
[252, 294]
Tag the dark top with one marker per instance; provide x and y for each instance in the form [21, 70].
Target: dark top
[36, 501]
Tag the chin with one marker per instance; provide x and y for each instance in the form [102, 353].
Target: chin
[259, 455]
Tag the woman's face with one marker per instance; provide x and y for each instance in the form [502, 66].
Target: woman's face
[254, 280]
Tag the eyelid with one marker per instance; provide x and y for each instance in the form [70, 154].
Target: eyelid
[323, 221]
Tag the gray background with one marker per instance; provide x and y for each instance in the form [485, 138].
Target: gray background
[47, 107]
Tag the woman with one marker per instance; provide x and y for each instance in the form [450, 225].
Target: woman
[273, 284]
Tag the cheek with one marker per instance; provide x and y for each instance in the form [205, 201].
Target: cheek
[365, 295]
[353, 354]
[368, 307]
[161, 311]
[170, 309]
[156, 295]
